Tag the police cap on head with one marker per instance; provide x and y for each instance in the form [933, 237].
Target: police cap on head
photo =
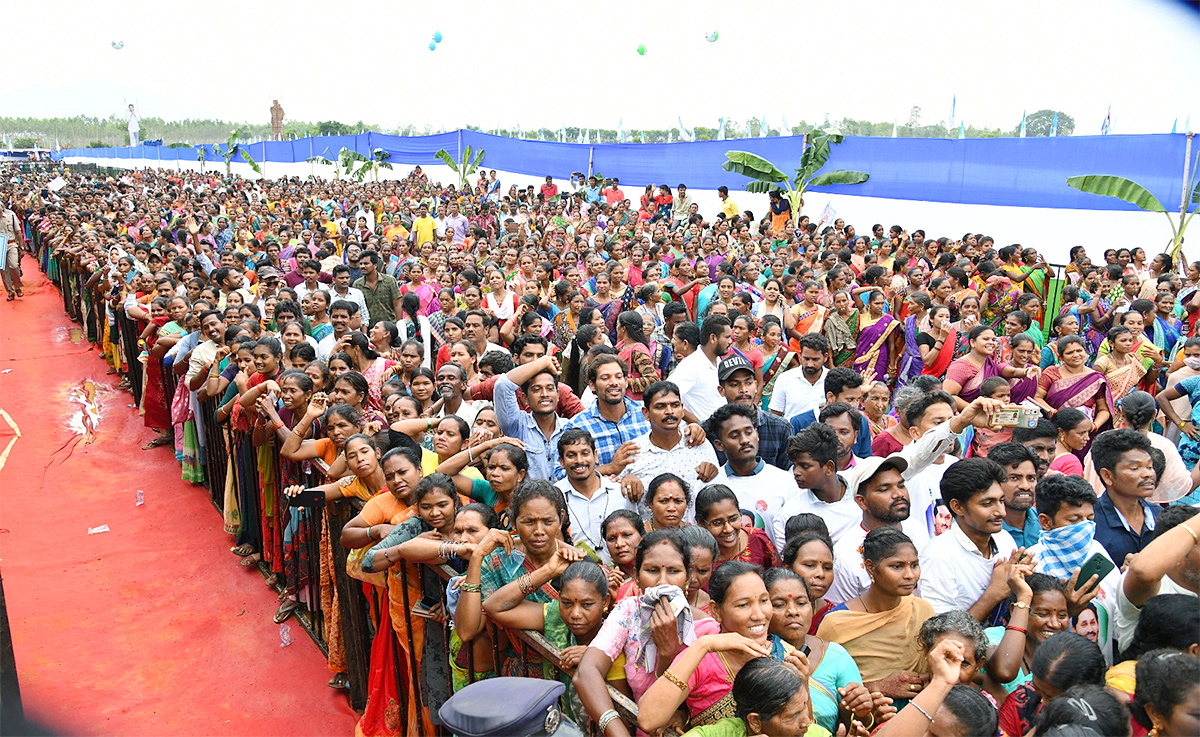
[513, 707]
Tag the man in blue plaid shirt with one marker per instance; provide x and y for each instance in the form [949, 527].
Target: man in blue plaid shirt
[614, 420]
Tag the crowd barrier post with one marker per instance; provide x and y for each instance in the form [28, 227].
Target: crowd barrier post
[352, 603]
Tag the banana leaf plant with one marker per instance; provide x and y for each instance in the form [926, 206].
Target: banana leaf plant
[770, 178]
[233, 149]
[348, 161]
[465, 168]
[1135, 194]
[378, 160]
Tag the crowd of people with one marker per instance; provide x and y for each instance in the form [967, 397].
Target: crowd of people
[759, 475]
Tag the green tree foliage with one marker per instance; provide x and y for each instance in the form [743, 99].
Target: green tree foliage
[334, 128]
[1039, 124]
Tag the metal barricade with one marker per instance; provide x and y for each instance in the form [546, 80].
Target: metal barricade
[353, 606]
[216, 452]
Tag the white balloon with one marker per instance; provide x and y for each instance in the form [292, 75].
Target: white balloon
[118, 45]
[711, 36]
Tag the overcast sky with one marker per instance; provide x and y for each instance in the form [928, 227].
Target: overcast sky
[537, 63]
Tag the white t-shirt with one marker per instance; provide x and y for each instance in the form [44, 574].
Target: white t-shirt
[696, 377]
[840, 516]
[766, 491]
[794, 394]
[954, 574]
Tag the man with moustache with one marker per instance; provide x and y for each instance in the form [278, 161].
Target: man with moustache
[451, 382]
[1020, 492]
[883, 498]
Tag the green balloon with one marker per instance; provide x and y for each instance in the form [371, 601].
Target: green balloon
[641, 49]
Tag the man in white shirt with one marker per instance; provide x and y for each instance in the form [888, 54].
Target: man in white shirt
[665, 449]
[968, 567]
[822, 490]
[803, 388]
[1167, 565]
[133, 122]
[759, 486]
[340, 315]
[590, 496]
[696, 375]
[882, 498]
[341, 289]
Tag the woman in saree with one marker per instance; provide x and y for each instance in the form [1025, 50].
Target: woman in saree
[1167, 328]
[809, 314]
[841, 327]
[570, 624]
[968, 313]
[1073, 384]
[834, 683]
[912, 361]
[619, 287]
[960, 290]
[367, 361]
[999, 294]
[604, 303]
[709, 666]
[1067, 323]
[268, 357]
[391, 504]
[1144, 349]
[634, 351]
[566, 322]
[1024, 355]
[426, 538]
[773, 304]
[352, 388]
[540, 517]
[876, 356]
[876, 401]
[936, 342]
[776, 357]
[879, 628]
[158, 339]
[1189, 299]
[717, 510]
[640, 637]
[772, 700]
[966, 375]
[623, 531]
[1122, 370]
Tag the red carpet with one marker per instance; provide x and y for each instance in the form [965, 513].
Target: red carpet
[152, 628]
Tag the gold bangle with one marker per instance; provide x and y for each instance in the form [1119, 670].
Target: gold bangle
[1195, 537]
[667, 674]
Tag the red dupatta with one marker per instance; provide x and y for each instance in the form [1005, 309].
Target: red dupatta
[944, 357]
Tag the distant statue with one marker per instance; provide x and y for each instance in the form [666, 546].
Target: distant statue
[134, 123]
[276, 120]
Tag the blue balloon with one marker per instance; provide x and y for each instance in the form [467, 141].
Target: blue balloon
[437, 37]
[432, 46]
